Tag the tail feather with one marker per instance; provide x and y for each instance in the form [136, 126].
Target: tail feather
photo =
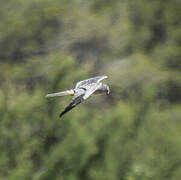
[63, 93]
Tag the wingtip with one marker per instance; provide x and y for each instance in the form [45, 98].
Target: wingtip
[104, 76]
[61, 114]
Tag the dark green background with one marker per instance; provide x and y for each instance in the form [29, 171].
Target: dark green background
[47, 46]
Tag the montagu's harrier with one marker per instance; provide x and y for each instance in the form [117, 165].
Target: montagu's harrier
[82, 91]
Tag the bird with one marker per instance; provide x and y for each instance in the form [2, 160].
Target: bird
[83, 90]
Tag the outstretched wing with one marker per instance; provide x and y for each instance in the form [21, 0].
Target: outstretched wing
[74, 103]
[84, 95]
[93, 87]
[96, 79]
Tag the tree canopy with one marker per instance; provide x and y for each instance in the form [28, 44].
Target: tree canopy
[132, 134]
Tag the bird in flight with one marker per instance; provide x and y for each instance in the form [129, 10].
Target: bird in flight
[82, 91]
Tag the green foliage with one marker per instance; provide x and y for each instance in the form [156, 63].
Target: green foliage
[47, 46]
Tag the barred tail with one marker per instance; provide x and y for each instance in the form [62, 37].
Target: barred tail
[63, 93]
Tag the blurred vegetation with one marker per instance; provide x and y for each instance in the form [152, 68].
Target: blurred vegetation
[47, 46]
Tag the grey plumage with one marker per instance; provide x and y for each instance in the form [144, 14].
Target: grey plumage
[83, 90]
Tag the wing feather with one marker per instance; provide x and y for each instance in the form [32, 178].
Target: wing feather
[92, 89]
[73, 104]
[90, 80]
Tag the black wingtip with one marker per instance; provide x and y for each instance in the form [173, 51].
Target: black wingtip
[61, 114]
[68, 108]
[76, 101]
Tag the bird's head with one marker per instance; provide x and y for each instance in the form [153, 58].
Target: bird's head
[106, 89]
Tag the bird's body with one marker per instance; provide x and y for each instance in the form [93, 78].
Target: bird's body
[83, 90]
